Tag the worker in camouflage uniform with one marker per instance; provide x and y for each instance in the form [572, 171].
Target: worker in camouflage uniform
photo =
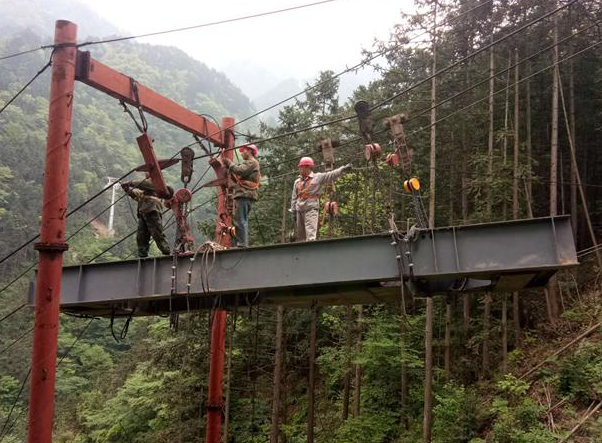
[246, 176]
[150, 223]
[305, 201]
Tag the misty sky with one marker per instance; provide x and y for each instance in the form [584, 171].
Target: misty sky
[297, 43]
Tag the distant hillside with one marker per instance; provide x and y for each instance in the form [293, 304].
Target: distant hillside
[103, 136]
[280, 91]
[39, 16]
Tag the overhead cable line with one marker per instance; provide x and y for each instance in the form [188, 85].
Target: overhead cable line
[388, 100]
[14, 97]
[13, 312]
[70, 213]
[28, 51]
[474, 54]
[169, 31]
[17, 340]
[316, 85]
[414, 117]
[352, 68]
[205, 25]
[18, 396]
[410, 88]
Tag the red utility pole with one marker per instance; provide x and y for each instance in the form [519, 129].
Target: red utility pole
[52, 235]
[218, 328]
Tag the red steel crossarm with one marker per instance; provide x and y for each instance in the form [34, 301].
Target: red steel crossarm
[118, 85]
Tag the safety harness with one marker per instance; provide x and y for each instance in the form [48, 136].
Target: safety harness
[303, 189]
[247, 184]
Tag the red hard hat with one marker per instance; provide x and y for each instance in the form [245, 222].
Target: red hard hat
[252, 147]
[306, 161]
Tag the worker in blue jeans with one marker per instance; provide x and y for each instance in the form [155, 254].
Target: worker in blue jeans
[246, 176]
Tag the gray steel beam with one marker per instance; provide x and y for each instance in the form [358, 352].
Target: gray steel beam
[494, 256]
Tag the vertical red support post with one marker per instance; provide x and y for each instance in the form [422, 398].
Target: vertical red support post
[52, 235]
[218, 327]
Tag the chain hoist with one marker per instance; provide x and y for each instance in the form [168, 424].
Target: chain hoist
[331, 206]
[402, 157]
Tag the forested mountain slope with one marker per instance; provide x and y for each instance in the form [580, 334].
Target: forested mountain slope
[502, 149]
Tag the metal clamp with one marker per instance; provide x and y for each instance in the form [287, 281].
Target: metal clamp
[50, 247]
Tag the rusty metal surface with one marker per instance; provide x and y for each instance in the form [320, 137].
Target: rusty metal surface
[114, 83]
[494, 257]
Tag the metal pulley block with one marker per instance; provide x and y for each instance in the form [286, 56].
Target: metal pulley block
[187, 159]
[183, 195]
[372, 151]
[326, 146]
[225, 230]
[411, 185]
[392, 160]
[331, 208]
[395, 125]
[362, 109]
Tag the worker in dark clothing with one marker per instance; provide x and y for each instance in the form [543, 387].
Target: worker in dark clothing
[150, 223]
[246, 176]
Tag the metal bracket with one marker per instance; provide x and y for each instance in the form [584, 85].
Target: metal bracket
[51, 247]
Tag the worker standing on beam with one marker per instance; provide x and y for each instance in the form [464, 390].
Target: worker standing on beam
[150, 208]
[246, 176]
[305, 201]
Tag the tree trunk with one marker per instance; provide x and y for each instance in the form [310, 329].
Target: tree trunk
[464, 164]
[588, 219]
[573, 192]
[515, 201]
[428, 373]
[284, 208]
[486, 334]
[552, 287]
[404, 370]
[312, 377]
[427, 423]
[275, 424]
[529, 190]
[504, 334]
[279, 355]
[347, 379]
[447, 343]
[433, 152]
[452, 185]
[490, 135]
[506, 131]
[358, 367]
[466, 299]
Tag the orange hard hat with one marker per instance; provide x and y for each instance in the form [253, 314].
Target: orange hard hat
[252, 147]
[306, 161]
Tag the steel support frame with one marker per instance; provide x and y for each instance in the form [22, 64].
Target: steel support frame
[220, 316]
[70, 64]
